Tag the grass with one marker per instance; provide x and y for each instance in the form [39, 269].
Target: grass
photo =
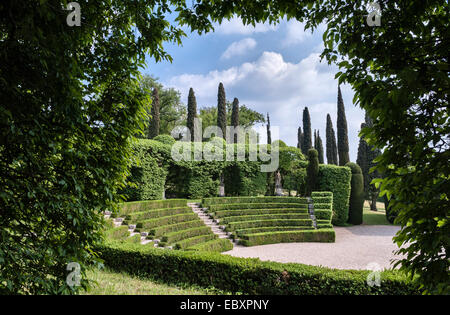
[111, 283]
[374, 217]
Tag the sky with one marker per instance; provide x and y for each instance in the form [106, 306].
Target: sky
[271, 69]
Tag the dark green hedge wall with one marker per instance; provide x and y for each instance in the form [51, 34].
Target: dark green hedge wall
[337, 180]
[355, 215]
[246, 275]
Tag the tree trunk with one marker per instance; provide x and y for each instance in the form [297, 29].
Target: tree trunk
[222, 186]
[373, 202]
[278, 187]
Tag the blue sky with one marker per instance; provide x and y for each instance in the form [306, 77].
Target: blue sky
[273, 69]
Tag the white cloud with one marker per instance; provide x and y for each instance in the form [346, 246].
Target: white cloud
[270, 84]
[236, 26]
[239, 48]
[295, 33]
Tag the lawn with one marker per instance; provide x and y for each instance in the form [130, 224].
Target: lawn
[111, 283]
[374, 217]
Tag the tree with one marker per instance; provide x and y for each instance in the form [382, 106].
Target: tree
[192, 112]
[366, 160]
[399, 72]
[154, 120]
[172, 112]
[319, 148]
[307, 134]
[331, 143]
[356, 205]
[247, 117]
[235, 116]
[312, 172]
[269, 136]
[299, 138]
[222, 110]
[342, 132]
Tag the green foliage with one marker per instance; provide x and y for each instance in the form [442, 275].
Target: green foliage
[187, 233]
[307, 133]
[312, 171]
[192, 112]
[248, 200]
[164, 229]
[319, 147]
[149, 214]
[117, 233]
[356, 204]
[218, 245]
[269, 134]
[201, 239]
[399, 72]
[337, 179]
[323, 208]
[155, 118]
[235, 117]
[148, 173]
[390, 214]
[246, 275]
[139, 206]
[166, 139]
[222, 110]
[299, 138]
[342, 131]
[172, 112]
[332, 157]
[322, 235]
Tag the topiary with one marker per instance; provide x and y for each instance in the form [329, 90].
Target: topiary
[220, 142]
[312, 171]
[280, 143]
[356, 203]
[166, 139]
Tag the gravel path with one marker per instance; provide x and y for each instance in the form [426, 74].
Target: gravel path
[355, 248]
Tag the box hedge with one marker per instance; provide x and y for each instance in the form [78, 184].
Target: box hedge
[263, 199]
[263, 223]
[218, 245]
[336, 179]
[149, 214]
[229, 213]
[246, 275]
[189, 242]
[240, 206]
[260, 217]
[323, 235]
[164, 229]
[241, 232]
[177, 218]
[185, 234]
[139, 206]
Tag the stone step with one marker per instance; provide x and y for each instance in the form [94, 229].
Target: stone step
[144, 242]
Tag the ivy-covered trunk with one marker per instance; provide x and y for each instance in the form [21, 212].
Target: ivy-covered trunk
[222, 186]
[278, 186]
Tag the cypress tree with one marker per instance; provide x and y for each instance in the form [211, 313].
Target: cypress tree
[312, 171]
[320, 148]
[307, 134]
[222, 110]
[192, 112]
[269, 135]
[342, 132]
[235, 117]
[356, 204]
[154, 121]
[365, 159]
[299, 138]
[331, 143]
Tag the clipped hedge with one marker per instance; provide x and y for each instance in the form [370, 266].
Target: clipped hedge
[323, 208]
[185, 234]
[336, 179]
[149, 170]
[259, 217]
[177, 218]
[144, 215]
[240, 206]
[246, 275]
[323, 235]
[239, 233]
[139, 206]
[357, 197]
[229, 213]
[117, 233]
[263, 223]
[263, 199]
[218, 245]
[189, 242]
[161, 230]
